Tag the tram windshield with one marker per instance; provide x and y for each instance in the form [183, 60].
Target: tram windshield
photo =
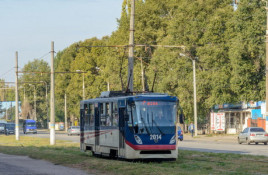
[152, 117]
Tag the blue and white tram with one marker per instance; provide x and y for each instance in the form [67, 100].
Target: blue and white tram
[141, 126]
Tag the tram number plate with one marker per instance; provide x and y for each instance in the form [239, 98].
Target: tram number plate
[155, 137]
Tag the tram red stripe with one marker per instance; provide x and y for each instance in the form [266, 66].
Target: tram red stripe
[151, 147]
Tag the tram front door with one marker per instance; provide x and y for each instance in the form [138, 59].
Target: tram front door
[121, 132]
[97, 127]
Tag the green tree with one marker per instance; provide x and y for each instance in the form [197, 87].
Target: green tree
[36, 83]
[247, 56]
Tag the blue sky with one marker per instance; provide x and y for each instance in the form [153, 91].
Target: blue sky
[29, 26]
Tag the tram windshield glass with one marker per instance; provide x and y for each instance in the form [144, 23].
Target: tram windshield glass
[153, 117]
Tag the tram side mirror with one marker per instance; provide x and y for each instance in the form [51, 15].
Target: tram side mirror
[126, 117]
[181, 118]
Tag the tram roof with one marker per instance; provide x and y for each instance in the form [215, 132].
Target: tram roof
[114, 96]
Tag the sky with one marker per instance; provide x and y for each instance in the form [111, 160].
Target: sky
[29, 26]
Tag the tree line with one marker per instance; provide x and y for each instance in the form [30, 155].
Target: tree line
[228, 44]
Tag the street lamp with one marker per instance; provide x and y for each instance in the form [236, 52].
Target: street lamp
[194, 85]
[83, 82]
[46, 97]
[266, 77]
[46, 87]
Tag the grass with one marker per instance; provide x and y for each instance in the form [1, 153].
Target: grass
[188, 162]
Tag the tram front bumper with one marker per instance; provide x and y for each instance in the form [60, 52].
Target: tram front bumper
[150, 154]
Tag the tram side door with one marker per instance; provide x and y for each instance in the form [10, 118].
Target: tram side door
[121, 132]
[97, 126]
[82, 125]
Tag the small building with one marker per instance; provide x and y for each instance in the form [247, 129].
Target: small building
[233, 118]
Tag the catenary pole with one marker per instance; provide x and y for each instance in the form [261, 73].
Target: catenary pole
[142, 77]
[35, 117]
[195, 105]
[46, 97]
[65, 112]
[17, 99]
[52, 99]
[266, 67]
[6, 114]
[131, 47]
[23, 92]
[83, 86]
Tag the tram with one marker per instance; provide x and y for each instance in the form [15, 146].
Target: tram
[140, 126]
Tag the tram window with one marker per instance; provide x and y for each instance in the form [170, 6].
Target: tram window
[86, 108]
[108, 115]
[91, 114]
[86, 114]
[103, 115]
[102, 108]
[115, 114]
[132, 122]
[106, 108]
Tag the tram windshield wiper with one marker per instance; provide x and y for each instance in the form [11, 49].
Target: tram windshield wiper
[146, 128]
[158, 127]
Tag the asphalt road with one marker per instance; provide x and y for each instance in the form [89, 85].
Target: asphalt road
[221, 144]
[215, 144]
[22, 165]
[60, 135]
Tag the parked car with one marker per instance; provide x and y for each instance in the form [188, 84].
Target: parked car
[9, 128]
[2, 128]
[74, 130]
[253, 135]
[180, 133]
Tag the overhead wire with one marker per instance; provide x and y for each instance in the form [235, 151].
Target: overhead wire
[6, 72]
[43, 56]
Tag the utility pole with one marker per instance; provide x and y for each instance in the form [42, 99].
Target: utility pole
[65, 112]
[80, 71]
[35, 118]
[131, 47]
[6, 114]
[142, 77]
[17, 99]
[266, 67]
[47, 103]
[46, 97]
[23, 93]
[195, 105]
[194, 85]
[83, 86]
[52, 99]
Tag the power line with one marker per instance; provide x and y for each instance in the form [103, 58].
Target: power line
[43, 56]
[6, 72]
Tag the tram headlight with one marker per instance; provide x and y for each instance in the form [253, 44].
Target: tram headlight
[138, 139]
[172, 140]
